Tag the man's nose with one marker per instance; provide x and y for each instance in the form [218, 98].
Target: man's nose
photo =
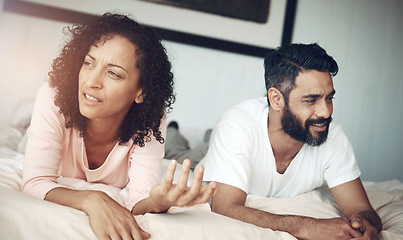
[324, 109]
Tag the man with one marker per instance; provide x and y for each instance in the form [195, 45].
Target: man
[286, 145]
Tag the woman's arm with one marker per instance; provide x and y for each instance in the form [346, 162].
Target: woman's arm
[108, 219]
[167, 194]
[44, 145]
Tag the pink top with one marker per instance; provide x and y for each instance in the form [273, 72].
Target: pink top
[53, 151]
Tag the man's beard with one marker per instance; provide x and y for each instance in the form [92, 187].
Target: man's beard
[292, 125]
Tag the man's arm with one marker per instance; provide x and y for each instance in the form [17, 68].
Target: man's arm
[230, 201]
[354, 204]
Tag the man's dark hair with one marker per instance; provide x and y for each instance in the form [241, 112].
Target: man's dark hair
[156, 79]
[283, 64]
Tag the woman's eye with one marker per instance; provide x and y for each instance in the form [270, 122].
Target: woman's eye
[114, 75]
[89, 64]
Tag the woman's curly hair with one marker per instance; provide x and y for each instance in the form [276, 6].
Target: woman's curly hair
[156, 78]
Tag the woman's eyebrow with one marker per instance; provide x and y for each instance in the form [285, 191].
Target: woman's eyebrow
[115, 65]
[109, 64]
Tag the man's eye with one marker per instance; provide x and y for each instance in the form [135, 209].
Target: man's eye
[330, 99]
[310, 101]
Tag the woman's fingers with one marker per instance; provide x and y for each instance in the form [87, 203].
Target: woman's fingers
[110, 220]
[194, 191]
[138, 233]
[180, 194]
[206, 192]
[197, 193]
[169, 175]
[181, 187]
[198, 176]
[183, 177]
[145, 235]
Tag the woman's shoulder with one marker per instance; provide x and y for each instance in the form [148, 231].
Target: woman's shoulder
[45, 103]
[46, 92]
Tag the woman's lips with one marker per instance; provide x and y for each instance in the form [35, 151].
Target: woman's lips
[91, 98]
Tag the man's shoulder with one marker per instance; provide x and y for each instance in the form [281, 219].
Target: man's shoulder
[259, 103]
[250, 109]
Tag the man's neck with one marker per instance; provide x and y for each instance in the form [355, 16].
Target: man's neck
[284, 147]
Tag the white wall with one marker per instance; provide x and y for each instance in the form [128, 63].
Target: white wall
[363, 35]
[209, 82]
[27, 48]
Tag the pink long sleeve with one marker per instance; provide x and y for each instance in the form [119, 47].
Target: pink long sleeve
[53, 151]
[145, 171]
[44, 146]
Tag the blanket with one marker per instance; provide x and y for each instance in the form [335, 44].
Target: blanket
[25, 217]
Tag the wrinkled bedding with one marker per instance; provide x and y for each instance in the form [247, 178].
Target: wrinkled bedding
[24, 217]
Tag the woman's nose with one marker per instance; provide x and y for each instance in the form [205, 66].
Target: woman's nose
[94, 79]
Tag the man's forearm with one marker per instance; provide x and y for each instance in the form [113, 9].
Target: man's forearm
[373, 218]
[295, 225]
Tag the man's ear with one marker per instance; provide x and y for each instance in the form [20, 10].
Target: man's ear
[275, 98]
[139, 96]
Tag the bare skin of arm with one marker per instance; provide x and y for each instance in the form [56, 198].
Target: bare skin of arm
[110, 220]
[165, 195]
[230, 201]
[354, 204]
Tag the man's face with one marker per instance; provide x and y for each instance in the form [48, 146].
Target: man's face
[307, 115]
[300, 131]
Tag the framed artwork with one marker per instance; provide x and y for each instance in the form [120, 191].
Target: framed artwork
[250, 27]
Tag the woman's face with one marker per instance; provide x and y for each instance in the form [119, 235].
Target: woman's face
[108, 80]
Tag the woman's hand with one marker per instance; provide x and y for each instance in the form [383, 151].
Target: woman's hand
[167, 194]
[108, 219]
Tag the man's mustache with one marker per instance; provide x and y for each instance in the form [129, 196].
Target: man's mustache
[319, 121]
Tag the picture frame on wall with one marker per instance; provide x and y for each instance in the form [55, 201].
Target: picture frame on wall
[179, 23]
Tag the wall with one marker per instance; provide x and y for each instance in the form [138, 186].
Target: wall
[27, 47]
[364, 36]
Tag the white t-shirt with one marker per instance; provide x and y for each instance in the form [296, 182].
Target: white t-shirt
[240, 155]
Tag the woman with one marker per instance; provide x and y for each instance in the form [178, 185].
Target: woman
[101, 119]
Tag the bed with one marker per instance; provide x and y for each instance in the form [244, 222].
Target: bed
[25, 217]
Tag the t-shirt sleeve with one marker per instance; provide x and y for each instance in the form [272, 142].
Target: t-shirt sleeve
[44, 146]
[227, 158]
[145, 169]
[342, 166]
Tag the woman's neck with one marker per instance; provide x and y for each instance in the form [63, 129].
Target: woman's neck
[101, 132]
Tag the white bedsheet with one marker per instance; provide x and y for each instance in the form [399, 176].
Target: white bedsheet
[24, 217]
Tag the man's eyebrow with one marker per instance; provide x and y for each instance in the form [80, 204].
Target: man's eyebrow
[109, 64]
[332, 93]
[313, 95]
